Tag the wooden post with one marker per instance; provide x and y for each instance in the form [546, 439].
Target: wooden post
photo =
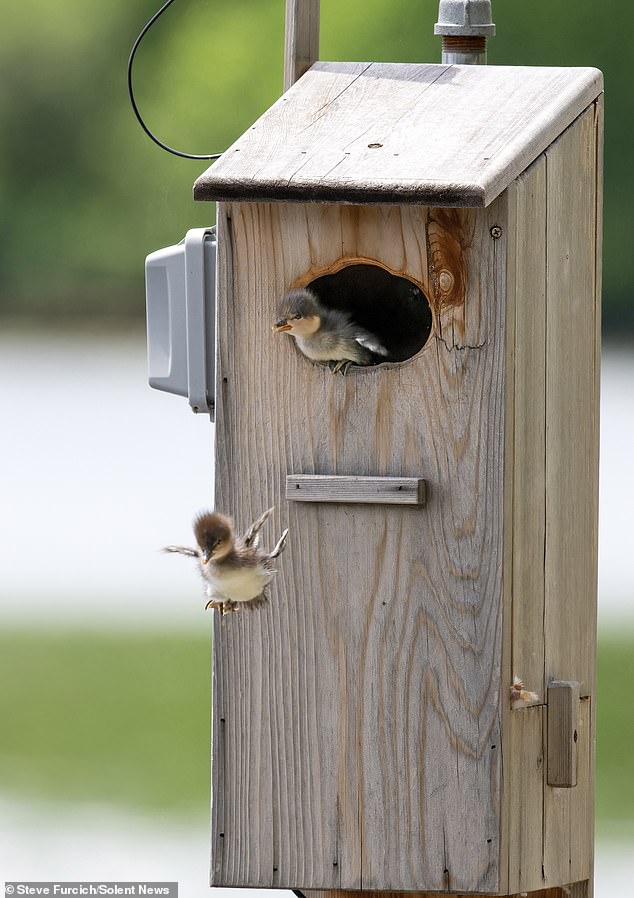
[301, 45]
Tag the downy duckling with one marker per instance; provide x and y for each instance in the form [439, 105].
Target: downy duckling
[236, 571]
[326, 335]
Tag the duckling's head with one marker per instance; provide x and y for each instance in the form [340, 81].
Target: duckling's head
[214, 535]
[299, 314]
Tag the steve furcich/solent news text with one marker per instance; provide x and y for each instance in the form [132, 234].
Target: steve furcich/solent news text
[70, 889]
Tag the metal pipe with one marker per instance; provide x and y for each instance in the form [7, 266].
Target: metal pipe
[464, 26]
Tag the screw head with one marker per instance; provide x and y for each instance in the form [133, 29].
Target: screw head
[496, 232]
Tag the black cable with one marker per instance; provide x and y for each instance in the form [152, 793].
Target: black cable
[153, 137]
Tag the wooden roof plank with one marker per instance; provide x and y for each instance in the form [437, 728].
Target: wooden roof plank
[401, 133]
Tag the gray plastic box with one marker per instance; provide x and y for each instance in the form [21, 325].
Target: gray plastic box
[180, 289]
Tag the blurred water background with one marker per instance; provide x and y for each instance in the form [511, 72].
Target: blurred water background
[104, 650]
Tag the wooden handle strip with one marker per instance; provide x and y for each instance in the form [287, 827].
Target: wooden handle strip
[364, 490]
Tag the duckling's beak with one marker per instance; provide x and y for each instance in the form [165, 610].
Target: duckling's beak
[206, 553]
[281, 326]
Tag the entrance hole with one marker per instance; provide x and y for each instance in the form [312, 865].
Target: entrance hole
[392, 308]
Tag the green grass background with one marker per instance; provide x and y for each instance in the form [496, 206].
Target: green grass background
[125, 719]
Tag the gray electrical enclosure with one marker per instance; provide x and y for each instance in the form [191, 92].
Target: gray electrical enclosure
[180, 283]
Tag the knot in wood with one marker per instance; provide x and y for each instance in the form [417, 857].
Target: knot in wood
[446, 281]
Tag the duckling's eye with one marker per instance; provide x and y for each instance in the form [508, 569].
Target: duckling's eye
[295, 317]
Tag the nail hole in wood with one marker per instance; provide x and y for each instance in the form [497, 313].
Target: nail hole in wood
[574, 736]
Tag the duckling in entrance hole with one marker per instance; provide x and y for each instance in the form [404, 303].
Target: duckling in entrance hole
[326, 335]
[236, 571]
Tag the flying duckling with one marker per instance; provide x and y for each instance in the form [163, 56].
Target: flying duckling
[235, 569]
[326, 335]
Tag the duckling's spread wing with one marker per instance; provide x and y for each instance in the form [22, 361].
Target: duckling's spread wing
[369, 341]
[252, 537]
[182, 550]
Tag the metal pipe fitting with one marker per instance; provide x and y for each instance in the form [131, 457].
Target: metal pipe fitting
[464, 26]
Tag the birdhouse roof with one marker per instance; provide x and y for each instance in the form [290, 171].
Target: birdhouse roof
[443, 135]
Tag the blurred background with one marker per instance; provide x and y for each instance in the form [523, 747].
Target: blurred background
[104, 650]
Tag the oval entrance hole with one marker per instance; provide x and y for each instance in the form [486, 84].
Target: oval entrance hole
[393, 308]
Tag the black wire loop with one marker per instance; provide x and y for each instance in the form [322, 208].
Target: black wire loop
[152, 136]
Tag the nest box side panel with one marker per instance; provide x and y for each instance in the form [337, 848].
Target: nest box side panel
[554, 331]
[356, 717]
[572, 458]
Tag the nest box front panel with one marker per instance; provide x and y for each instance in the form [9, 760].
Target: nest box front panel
[356, 718]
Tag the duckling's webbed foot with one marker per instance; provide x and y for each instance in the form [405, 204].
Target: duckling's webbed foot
[342, 365]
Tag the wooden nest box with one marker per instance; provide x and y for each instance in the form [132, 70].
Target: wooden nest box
[363, 732]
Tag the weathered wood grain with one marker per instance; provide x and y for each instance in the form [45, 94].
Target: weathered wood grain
[598, 129]
[301, 44]
[364, 490]
[552, 554]
[563, 724]
[571, 406]
[568, 822]
[574, 890]
[358, 717]
[401, 133]
[522, 742]
[524, 794]
[360, 708]
[529, 427]
[571, 474]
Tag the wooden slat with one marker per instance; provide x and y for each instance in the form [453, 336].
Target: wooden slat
[524, 789]
[525, 527]
[571, 407]
[598, 128]
[401, 133]
[364, 490]
[361, 704]
[563, 724]
[571, 475]
[568, 821]
[529, 438]
[574, 890]
[301, 45]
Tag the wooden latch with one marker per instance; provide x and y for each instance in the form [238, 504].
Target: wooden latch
[563, 722]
